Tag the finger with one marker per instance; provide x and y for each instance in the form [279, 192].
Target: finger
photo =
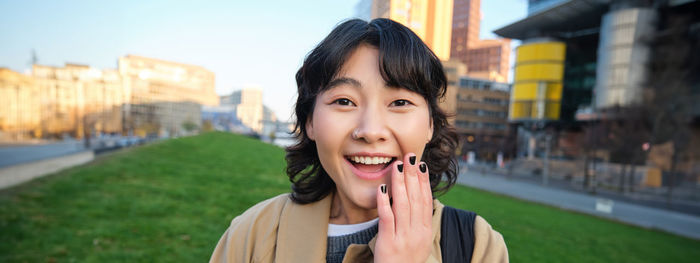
[386, 216]
[414, 192]
[424, 179]
[400, 207]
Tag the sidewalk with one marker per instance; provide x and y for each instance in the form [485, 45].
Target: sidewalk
[20, 173]
[647, 217]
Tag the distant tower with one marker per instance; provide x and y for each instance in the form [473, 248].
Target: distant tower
[485, 58]
[466, 19]
[34, 60]
[431, 20]
[363, 10]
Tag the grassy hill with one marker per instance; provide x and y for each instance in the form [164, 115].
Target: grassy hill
[171, 201]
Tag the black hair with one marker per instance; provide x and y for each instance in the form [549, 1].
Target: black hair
[404, 61]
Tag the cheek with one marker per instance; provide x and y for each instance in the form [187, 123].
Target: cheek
[330, 130]
[412, 131]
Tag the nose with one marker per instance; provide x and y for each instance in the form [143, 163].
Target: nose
[372, 127]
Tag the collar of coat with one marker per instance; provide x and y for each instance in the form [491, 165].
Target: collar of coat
[303, 232]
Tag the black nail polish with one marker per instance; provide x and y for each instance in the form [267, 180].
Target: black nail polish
[400, 168]
[383, 188]
[412, 160]
[422, 167]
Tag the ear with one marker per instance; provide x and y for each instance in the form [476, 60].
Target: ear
[310, 129]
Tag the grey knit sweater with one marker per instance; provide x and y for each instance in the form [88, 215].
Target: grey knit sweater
[339, 244]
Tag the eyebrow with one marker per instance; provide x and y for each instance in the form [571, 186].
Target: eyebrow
[344, 80]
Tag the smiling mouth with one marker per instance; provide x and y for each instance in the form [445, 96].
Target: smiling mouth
[370, 164]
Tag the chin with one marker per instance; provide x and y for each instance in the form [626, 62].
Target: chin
[366, 199]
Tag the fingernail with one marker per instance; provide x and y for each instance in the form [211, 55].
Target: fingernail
[422, 167]
[412, 160]
[400, 168]
[383, 188]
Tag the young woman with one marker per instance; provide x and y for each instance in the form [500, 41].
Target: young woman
[372, 148]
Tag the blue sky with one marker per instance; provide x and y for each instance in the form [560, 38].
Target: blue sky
[245, 43]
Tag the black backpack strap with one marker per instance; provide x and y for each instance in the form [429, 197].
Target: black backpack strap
[457, 235]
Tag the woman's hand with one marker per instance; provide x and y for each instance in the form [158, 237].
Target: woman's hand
[405, 229]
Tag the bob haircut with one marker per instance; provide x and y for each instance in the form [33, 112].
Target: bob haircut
[406, 62]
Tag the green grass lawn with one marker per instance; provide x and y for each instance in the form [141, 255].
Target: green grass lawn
[171, 201]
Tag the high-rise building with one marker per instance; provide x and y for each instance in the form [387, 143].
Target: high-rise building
[534, 6]
[485, 58]
[600, 53]
[601, 75]
[466, 19]
[431, 20]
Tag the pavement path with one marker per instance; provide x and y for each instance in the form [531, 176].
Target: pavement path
[665, 220]
[20, 173]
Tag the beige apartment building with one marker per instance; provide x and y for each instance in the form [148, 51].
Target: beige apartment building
[144, 96]
[249, 107]
[77, 99]
[431, 20]
[480, 110]
[162, 96]
[19, 106]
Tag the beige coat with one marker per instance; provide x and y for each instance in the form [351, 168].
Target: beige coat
[279, 230]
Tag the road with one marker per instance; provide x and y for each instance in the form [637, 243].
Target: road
[12, 155]
[648, 217]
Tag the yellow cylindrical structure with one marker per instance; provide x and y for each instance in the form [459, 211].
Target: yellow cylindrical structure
[537, 86]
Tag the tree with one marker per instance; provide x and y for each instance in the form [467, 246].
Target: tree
[674, 70]
[189, 126]
[207, 126]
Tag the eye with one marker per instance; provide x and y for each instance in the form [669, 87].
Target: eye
[400, 103]
[343, 102]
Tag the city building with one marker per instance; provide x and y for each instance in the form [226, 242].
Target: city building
[466, 20]
[20, 102]
[77, 99]
[363, 10]
[270, 124]
[537, 86]
[163, 97]
[143, 97]
[480, 110]
[249, 107]
[223, 118]
[451, 29]
[489, 59]
[431, 20]
[614, 78]
[485, 58]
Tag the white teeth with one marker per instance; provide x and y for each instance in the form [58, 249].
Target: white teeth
[370, 160]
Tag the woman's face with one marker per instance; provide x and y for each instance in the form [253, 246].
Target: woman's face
[361, 126]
